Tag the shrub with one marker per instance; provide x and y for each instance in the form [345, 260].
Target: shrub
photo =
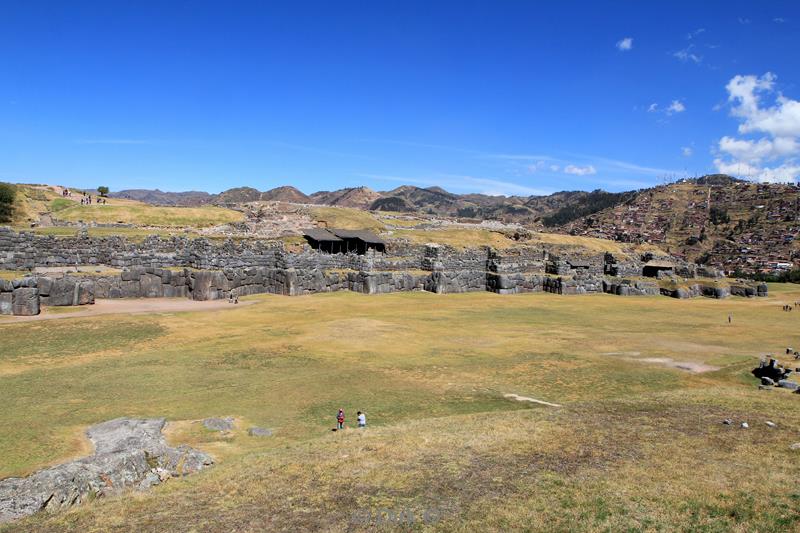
[7, 194]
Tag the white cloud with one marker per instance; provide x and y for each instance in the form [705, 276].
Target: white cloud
[676, 107]
[687, 54]
[762, 149]
[785, 173]
[625, 44]
[652, 108]
[779, 121]
[535, 167]
[744, 20]
[779, 20]
[580, 171]
[687, 151]
[555, 168]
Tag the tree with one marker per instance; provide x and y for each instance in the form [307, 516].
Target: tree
[7, 194]
[719, 216]
[103, 190]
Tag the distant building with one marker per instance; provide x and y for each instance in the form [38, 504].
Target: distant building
[334, 241]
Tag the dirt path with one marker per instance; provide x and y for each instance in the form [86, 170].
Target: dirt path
[126, 306]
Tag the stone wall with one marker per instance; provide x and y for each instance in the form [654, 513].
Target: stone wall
[203, 270]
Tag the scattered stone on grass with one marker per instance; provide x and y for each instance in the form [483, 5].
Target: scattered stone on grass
[771, 424]
[795, 446]
[259, 432]
[219, 424]
[771, 369]
[745, 425]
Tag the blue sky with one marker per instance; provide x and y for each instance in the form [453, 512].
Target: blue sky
[496, 97]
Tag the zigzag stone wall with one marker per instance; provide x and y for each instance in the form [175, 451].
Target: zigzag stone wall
[202, 270]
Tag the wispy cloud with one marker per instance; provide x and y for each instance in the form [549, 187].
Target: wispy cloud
[625, 166]
[314, 150]
[457, 182]
[114, 141]
[676, 106]
[779, 20]
[521, 157]
[692, 34]
[625, 44]
[580, 171]
[432, 146]
[688, 54]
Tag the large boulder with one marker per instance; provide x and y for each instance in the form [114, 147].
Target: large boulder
[150, 286]
[208, 285]
[25, 301]
[5, 303]
[66, 291]
[129, 453]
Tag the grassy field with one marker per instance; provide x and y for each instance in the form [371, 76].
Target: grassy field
[131, 212]
[636, 445]
[346, 218]
[459, 238]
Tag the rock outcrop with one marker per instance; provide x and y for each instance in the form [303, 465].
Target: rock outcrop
[129, 454]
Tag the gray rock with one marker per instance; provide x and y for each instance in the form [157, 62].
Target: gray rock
[129, 453]
[218, 424]
[259, 432]
[767, 381]
[795, 446]
[5, 303]
[727, 421]
[786, 384]
[150, 480]
[745, 425]
[771, 424]
[25, 301]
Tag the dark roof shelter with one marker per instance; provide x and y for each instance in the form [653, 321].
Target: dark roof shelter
[323, 240]
[334, 241]
[359, 241]
[578, 264]
[653, 267]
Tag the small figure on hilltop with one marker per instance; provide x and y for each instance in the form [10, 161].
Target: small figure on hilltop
[730, 318]
[340, 419]
[362, 420]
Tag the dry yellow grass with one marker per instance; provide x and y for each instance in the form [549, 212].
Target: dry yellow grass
[346, 218]
[459, 238]
[131, 212]
[636, 445]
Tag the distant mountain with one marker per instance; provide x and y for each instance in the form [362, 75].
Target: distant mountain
[287, 193]
[716, 219]
[358, 197]
[238, 195]
[157, 197]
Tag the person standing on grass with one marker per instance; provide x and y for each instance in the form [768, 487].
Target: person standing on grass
[340, 419]
[362, 420]
[730, 318]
